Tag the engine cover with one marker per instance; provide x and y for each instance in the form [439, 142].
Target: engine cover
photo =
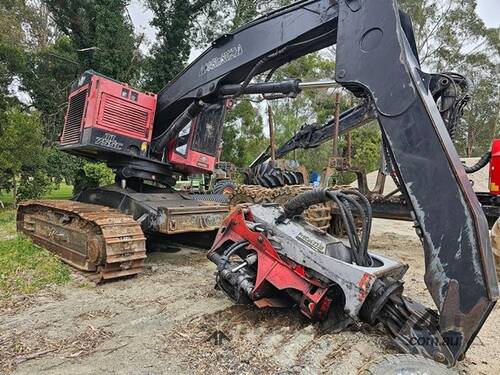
[105, 117]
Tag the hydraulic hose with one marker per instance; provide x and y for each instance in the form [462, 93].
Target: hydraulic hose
[485, 159]
[302, 202]
[194, 109]
[345, 202]
[230, 251]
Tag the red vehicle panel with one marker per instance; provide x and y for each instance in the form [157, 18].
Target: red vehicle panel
[112, 106]
[495, 168]
[184, 157]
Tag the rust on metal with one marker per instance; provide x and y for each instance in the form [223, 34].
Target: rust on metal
[89, 237]
[204, 217]
[270, 302]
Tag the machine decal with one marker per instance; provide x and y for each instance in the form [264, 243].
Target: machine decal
[310, 242]
[109, 140]
[225, 57]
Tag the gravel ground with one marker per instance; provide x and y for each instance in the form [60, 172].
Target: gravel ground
[163, 322]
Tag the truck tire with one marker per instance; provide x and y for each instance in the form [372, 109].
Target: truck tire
[407, 364]
[226, 187]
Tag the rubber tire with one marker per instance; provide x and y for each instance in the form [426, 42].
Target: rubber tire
[226, 187]
[407, 364]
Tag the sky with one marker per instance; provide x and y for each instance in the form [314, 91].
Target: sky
[488, 10]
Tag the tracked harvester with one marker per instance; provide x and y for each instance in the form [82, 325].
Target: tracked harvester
[147, 139]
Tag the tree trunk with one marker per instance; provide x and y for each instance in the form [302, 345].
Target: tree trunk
[468, 148]
[14, 189]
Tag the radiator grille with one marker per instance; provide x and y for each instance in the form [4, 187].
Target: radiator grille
[72, 128]
[123, 117]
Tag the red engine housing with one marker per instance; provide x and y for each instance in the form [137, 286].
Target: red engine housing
[104, 114]
[273, 271]
[494, 183]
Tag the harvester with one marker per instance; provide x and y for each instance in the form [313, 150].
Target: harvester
[149, 138]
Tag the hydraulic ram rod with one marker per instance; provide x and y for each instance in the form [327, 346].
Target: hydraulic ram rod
[289, 87]
[315, 85]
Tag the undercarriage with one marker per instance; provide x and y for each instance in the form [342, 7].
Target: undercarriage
[105, 231]
[99, 240]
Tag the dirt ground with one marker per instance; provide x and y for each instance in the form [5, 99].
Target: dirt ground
[479, 179]
[162, 322]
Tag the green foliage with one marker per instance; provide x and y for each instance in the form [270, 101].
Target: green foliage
[22, 156]
[62, 191]
[366, 147]
[62, 166]
[244, 11]
[104, 27]
[185, 25]
[26, 268]
[39, 46]
[5, 183]
[315, 106]
[93, 175]
[21, 141]
[47, 76]
[450, 34]
[451, 37]
[243, 135]
[223, 16]
[11, 58]
[34, 186]
[480, 121]
[171, 50]
[175, 22]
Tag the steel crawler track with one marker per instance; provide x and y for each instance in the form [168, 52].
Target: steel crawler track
[99, 240]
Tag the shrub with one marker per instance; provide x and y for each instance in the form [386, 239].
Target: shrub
[93, 175]
[33, 187]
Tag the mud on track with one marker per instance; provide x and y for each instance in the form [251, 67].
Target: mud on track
[161, 322]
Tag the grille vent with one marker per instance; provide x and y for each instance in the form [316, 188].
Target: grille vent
[121, 117]
[72, 128]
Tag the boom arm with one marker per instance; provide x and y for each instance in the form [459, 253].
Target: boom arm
[265, 43]
[376, 59]
[374, 56]
[442, 86]
[311, 136]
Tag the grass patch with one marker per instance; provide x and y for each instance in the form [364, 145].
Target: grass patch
[6, 198]
[26, 268]
[7, 223]
[62, 192]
